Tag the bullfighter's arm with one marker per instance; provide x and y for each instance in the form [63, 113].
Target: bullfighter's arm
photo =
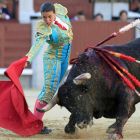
[42, 35]
[36, 48]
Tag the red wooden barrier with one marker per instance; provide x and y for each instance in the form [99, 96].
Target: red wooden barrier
[15, 38]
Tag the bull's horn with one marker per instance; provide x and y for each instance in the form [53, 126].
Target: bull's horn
[51, 104]
[81, 78]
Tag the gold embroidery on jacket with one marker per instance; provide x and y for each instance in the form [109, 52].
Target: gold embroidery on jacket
[60, 9]
[43, 28]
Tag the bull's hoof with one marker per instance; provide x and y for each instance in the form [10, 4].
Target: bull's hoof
[115, 136]
[40, 110]
[71, 130]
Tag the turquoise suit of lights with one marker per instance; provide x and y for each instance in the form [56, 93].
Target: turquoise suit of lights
[56, 57]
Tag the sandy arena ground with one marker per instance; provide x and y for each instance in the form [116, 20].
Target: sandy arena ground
[57, 118]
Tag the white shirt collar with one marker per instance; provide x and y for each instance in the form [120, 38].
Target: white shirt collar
[61, 22]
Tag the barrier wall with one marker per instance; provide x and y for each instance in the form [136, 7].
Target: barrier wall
[89, 33]
[15, 38]
[15, 41]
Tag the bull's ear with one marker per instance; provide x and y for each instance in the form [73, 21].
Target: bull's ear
[81, 78]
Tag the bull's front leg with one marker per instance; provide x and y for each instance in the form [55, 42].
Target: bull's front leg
[70, 127]
[125, 110]
[117, 133]
[111, 128]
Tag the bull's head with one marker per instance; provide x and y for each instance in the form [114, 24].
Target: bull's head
[76, 98]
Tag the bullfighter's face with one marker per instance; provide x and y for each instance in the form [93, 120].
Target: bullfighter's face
[49, 17]
[77, 100]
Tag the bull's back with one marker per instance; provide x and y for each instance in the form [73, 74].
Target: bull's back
[132, 49]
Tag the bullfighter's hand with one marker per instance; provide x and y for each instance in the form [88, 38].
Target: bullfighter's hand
[26, 64]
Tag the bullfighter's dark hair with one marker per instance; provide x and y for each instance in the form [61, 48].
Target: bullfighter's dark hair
[47, 7]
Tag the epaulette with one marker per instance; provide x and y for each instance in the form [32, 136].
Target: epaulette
[4, 6]
[43, 28]
[60, 9]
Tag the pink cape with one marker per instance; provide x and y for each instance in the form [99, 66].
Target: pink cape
[14, 112]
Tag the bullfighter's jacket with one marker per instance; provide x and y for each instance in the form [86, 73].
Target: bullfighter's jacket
[56, 57]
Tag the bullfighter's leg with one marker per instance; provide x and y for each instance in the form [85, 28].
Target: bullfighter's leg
[39, 105]
[54, 70]
[70, 127]
[39, 115]
[125, 110]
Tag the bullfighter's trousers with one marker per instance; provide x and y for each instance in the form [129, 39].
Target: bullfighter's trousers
[55, 61]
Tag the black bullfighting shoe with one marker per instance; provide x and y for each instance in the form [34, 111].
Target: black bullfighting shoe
[45, 127]
[45, 130]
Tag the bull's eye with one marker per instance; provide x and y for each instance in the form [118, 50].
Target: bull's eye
[83, 88]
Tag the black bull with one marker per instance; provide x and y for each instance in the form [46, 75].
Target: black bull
[105, 94]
